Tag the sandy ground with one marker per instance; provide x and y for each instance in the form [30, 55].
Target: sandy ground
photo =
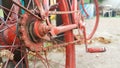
[109, 29]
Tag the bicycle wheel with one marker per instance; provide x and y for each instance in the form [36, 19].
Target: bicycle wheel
[10, 42]
[90, 24]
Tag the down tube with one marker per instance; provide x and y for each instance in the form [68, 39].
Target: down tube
[70, 49]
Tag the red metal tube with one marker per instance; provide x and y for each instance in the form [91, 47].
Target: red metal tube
[70, 49]
[61, 29]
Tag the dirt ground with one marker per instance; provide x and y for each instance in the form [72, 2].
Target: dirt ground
[108, 29]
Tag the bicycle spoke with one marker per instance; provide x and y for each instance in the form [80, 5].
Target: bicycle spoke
[20, 61]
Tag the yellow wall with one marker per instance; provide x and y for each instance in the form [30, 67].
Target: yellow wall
[1, 13]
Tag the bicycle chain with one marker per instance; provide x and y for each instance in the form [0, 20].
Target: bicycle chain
[60, 45]
[63, 12]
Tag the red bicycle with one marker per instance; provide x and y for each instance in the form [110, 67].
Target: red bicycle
[27, 29]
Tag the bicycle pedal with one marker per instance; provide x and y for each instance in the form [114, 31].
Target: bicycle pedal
[96, 50]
